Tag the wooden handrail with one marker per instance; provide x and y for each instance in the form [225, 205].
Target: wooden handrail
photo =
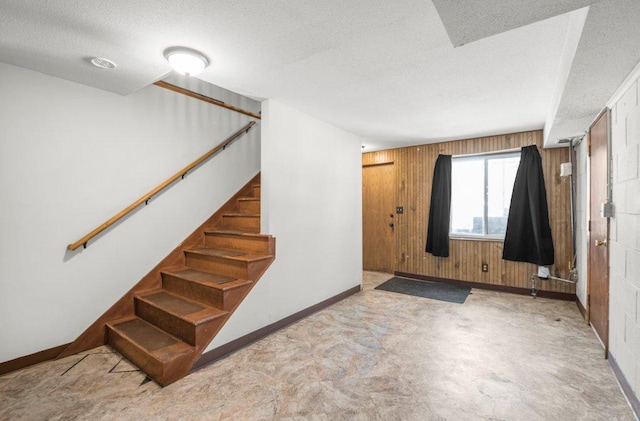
[145, 198]
[204, 98]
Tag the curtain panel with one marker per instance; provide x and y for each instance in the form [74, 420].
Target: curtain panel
[440, 208]
[528, 236]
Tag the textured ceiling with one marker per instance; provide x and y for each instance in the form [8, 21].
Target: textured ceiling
[396, 73]
[608, 50]
[468, 21]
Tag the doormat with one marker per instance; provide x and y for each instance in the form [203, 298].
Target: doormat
[426, 289]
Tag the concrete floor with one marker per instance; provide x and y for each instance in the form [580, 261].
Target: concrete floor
[374, 356]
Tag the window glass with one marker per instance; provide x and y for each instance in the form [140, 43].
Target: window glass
[467, 196]
[481, 188]
[500, 177]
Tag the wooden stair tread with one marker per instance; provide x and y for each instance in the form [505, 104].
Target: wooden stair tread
[248, 199]
[235, 232]
[172, 303]
[191, 311]
[151, 339]
[208, 279]
[220, 252]
[229, 254]
[241, 215]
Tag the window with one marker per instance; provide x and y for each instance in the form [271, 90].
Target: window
[481, 187]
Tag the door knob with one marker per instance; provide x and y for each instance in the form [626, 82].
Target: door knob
[601, 243]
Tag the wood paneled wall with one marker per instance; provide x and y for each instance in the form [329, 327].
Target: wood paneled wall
[414, 173]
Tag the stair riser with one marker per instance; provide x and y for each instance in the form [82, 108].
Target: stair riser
[218, 265]
[223, 300]
[166, 321]
[258, 245]
[248, 206]
[193, 290]
[147, 363]
[241, 223]
[256, 191]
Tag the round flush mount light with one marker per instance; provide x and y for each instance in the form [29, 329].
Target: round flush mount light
[186, 61]
[103, 63]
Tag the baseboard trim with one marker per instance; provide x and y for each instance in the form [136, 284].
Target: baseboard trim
[581, 308]
[31, 359]
[624, 384]
[492, 287]
[237, 344]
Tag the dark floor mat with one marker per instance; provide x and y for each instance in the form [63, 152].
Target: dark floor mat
[435, 290]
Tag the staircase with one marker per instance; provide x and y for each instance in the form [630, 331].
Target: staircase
[173, 323]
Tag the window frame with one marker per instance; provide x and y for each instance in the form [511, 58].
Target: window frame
[485, 221]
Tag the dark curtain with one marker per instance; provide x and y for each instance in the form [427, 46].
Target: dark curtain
[528, 236]
[440, 209]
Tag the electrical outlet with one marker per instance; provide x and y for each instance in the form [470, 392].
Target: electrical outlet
[485, 267]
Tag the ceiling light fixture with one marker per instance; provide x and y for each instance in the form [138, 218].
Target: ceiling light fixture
[186, 61]
[102, 63]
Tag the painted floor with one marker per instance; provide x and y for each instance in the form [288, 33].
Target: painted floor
[375, 356]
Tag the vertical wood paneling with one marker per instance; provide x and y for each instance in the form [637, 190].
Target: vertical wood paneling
[414, 174]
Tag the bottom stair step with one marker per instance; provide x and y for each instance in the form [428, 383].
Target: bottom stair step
[156, 352]
[186, 319]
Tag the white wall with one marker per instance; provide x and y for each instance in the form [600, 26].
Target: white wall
[312, 204]
[72, 156]
[582, 219]
[624, 311]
